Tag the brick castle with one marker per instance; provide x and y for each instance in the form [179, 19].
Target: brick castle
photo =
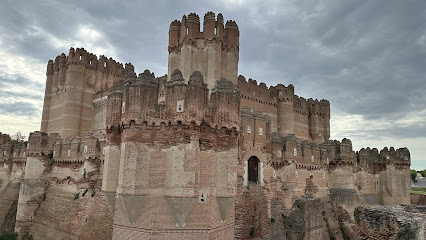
[200, 153]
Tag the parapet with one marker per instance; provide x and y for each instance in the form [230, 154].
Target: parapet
[196, 79]
[176, 78]
[231, 25]
[300, 105]
[193, 18]
[209, 17]
[255, 92]
[225, 86]
[187, 31]
[80, 56]
[4, 138]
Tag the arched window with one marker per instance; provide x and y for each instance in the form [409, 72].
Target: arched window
[253, 169]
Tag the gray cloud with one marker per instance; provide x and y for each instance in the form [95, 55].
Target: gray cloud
[368, 58]
[18, 108]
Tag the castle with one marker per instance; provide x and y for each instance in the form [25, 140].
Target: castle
[200, 153]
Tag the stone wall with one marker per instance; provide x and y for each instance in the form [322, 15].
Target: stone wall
[396, 222]
[418, 199]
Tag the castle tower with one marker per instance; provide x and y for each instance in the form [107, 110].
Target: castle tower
[325, 118]
[196, 99]
[316, 130]
[285, 110]
[140, 96]
[73, 82]
[47, 96]
[213, 52]
[175, 95]
[225, 103]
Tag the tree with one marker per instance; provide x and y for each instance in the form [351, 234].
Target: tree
[413, 174]
[423, 173]
[18, 137]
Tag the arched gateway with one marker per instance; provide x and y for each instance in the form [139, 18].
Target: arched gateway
[253, 169]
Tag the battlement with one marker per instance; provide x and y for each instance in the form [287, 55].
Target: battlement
[255, 92]
[188, 30]
[15, 151]
[339, 152]
[188, 44]
[305, 155]
[4, 138]
[136, 100]
[368, 158]
[80, 56]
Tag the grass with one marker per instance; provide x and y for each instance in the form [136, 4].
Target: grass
[419, 190]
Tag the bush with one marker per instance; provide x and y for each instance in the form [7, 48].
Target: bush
[423, 173]
[27, 236]
[413, 174]
[356, 216]
[8, 236]
[252, 232]
[406, 233]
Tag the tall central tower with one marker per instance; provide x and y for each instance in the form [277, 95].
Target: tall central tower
[214, 52]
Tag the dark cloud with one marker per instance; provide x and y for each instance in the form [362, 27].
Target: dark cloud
[366, 57]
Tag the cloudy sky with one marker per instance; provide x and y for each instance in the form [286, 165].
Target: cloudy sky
[367, 57]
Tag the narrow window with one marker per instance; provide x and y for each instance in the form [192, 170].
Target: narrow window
[69, 152]
[215, 30]
[253, 169]
[260, 131]
[85, 148]
[105, 64]
[279, 154]
[81, 57]
[312, 158]
[187, 31]
[295, 152]
[248, 129]
[179, 106]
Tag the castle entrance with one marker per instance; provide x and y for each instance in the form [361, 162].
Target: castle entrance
[253, 169]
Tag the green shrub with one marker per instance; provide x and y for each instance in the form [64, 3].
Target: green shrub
[356, 216]
[413, 174]
[8, 236]
[27, 236]
[406, 233]
[252, 232]
[342, 229]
